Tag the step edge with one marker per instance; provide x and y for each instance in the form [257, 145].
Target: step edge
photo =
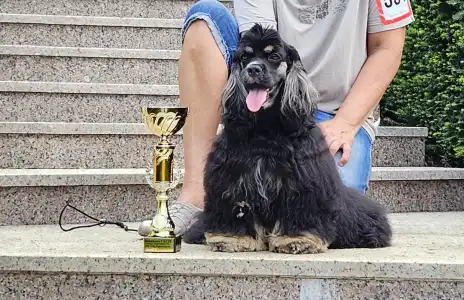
[90, 21]
[404, 131]
[201, 266]
[88, 88]
[90, 128]
[88, 52]
[66, 128]
[144, 89]
[416, 173]
[137, 176]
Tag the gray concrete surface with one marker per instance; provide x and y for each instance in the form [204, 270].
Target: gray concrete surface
[36, 196]
[110, 8]
[425, 246]
[127, 145]
[45, 286]
[87, 69]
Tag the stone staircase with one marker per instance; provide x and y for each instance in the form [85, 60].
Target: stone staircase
[74, 75]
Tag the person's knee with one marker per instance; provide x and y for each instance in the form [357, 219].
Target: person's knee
[207, 23]
[202, 12]
[194, 38]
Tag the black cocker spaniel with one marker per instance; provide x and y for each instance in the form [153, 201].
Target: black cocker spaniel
[270, 180]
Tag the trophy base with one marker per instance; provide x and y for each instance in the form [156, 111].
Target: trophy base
[156, 244]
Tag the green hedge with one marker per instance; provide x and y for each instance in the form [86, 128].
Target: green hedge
[429, 87]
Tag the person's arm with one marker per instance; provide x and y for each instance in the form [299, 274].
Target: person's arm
[385, 41]
[384, 58]
[249, 12]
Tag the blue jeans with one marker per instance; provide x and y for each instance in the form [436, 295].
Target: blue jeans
[224, 29]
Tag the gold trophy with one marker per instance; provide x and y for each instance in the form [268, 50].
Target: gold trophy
[163, 122]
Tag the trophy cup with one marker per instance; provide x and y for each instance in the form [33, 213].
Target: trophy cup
[163, 122]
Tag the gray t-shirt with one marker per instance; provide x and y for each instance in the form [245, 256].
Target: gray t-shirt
[330, 36]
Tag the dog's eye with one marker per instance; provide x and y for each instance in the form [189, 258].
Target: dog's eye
[274, 57]
[243, 56]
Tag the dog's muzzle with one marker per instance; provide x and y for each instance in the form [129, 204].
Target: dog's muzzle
[255, 81]
[255, 74]
[254, 70]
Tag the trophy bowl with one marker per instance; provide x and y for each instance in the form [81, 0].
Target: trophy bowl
[163, 121]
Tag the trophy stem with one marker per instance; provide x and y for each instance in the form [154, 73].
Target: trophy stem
[162, 237]
[163, 161]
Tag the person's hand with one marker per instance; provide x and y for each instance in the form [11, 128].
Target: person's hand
[339, 134]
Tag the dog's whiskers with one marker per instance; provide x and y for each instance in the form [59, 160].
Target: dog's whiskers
[273, 93]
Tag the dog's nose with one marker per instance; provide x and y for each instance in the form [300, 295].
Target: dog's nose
[254, 70]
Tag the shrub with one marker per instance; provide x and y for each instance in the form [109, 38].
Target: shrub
[429, 87]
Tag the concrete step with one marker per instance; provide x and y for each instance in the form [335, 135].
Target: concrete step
[96, 65]
[425, 262]
[50, 51]
[129, 145]
[88, 88]
[80, 102]
[168, 9]
[36, 196]
[90, 31]
[97, 103]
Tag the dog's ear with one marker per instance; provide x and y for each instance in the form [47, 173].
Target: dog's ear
[299, 95]
[292, 54]
[234, 93]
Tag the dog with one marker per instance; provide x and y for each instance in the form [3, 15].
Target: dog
[270, 181]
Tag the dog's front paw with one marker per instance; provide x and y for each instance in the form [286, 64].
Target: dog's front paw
[224, 243]
[302, 244]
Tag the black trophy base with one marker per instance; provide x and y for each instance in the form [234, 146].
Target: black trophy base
[156, 244]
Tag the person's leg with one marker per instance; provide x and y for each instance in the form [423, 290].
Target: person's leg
[356, 173]
[209, 39]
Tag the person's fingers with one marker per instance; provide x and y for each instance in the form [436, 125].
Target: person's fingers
[335, 146]
[346, 154]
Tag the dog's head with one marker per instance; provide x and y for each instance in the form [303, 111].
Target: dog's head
[267, 72]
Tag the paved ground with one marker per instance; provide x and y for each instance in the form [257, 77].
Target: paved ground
[426, 245]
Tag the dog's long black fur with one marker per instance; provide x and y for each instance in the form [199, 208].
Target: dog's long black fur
[270, 173]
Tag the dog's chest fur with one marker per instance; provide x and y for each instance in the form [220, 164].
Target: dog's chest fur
[258, 162]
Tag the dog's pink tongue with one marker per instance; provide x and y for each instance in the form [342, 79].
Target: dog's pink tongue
[255, 99]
